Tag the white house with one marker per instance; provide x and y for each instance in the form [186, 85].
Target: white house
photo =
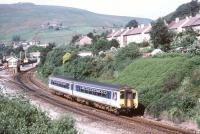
[188, 22]
[138, 35]
[119, 36]
[13, 64]
[85, 54]
[177, 24]
[84, 40]
[128, 35]
[141, 33]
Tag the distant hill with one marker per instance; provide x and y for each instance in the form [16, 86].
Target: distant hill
[187, 9]
[31, 21]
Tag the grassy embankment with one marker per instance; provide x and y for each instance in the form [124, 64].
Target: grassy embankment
[168, 86]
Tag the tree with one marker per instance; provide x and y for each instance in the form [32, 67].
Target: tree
[74, 39]
[16, 38]
[126, 55]
[188, 9]
[194, 6]
[100, 45]
[160, 35]
[91, 35]
[132, 23]
[114, 43]
[185, 39]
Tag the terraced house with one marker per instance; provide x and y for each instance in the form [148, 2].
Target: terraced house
[141, 33]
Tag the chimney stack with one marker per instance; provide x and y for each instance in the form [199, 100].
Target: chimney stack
[142, 26]
[177, 20]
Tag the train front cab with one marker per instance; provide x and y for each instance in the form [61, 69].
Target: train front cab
[128, 99]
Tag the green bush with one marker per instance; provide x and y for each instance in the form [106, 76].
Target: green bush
[126, 55]
[185, 39]
[198, 122]
[19, 117]
[195, 78]
[80, 68]
[172, 81]
[169, 55]
[143, 44]
[188, 103]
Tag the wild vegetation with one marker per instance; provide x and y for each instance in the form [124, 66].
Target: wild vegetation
[168, 85]
[187, 9]
[18, 116]
[160, 35]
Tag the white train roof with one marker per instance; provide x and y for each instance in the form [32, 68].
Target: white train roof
[90, 83]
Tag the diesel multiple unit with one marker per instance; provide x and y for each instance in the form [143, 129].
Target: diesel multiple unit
[115, 98]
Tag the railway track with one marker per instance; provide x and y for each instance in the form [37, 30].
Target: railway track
[140, 125]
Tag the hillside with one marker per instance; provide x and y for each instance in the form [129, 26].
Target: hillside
[26, 20]
[187, 9]
[168, 86]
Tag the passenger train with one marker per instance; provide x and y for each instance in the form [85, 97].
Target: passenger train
[113, 98]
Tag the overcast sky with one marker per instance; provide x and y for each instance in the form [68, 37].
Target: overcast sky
[136, 8]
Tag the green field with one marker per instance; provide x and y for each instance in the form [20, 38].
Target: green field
[25, 19]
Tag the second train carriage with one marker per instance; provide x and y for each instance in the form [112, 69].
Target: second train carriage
[115, 98]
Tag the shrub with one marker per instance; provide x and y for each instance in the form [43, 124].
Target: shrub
[126, 55]
[169, 55]
[185, 39]
[160, 35]
[172, 81]
[198, 121]
[19, 117]
[100, 45]
[188, 103]
[144, 44]
[195, 78]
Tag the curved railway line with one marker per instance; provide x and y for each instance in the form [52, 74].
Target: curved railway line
[34, 87]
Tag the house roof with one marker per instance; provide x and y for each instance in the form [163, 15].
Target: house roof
[193, 21]
[190, 22]
[12, 58]
[175, 25]
[82, 37]
[137, 30]
[120, 32]
[113, 33]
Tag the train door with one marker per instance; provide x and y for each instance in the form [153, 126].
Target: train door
[126, 98]
[72, 87]
[129, 98]
[122, 98]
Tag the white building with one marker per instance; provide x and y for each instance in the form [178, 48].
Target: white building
[85, 54]
[128, 35]
[189, 22]
[138, 35]
[84, 40]
[13, 64]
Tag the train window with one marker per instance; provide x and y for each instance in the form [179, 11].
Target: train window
[129, 95]
[78, 88]
[86, 90]
[90, 91]
[122, 95]
[114, 97]
[134, 95]
[72, 86]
